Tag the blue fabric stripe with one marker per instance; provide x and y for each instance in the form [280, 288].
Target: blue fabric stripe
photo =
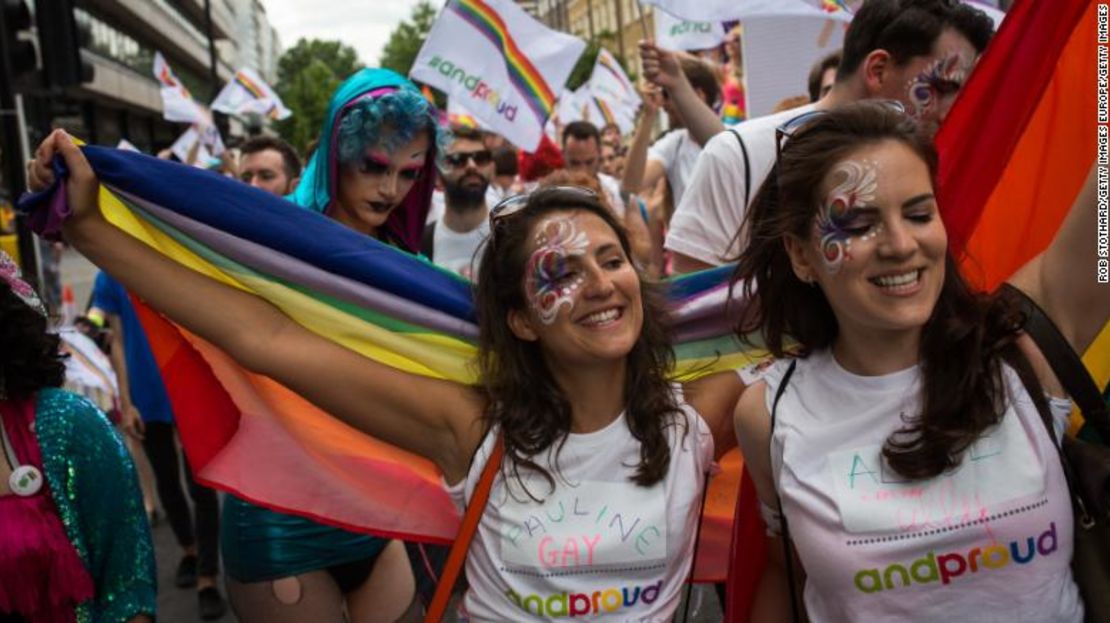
[233, 207]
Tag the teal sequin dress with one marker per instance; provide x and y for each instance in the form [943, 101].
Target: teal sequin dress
[96, 491]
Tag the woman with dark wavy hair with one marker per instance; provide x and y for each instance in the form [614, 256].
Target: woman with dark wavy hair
[594, 509]
[75, 544]
[894, 440]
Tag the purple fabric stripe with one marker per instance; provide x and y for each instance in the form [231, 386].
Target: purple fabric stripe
[710, 303]
[702, 330]
[271, 262]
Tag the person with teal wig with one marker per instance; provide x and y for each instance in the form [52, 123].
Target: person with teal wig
[374, 166]
[374, 171]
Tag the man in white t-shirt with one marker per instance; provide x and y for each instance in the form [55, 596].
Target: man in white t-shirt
[582, 152]
[918, 52]
[676, 152]
[455, 241]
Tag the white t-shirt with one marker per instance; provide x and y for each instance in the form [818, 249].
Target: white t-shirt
[989, 541]
[457, 252]
[439, 202]
[612, 188]
[599, 547]
[678, 153]
[712, 206]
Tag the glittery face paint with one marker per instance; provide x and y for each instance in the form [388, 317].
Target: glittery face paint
[943, 77]
[856, 185]
[550, 284]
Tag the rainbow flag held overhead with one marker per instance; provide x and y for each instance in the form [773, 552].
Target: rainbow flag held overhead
[246, 434]
[500, 63]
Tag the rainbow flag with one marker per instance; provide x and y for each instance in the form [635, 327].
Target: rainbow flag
[606, 114]
[1014, 151]
[249, 435]
[1041, 135]
[247, 93]
[507, 67]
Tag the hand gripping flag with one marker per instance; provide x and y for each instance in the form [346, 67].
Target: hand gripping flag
[499, 63]
[247, 93]
[246, 434]
[177, 102]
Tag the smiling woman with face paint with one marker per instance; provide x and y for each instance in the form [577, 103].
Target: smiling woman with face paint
[893, 440]
[595, 506]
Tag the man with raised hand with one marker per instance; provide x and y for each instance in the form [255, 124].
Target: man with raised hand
[917, 52]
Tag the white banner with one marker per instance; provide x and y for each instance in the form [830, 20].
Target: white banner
[177, 103]
[778, 54]
[727, 10]
[503, 65]
[247, 93]
[675, 33]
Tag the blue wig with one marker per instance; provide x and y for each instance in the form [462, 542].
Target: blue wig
[375, 107]
[388, 121]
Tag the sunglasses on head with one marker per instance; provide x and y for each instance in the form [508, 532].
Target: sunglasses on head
[513, 205]
[459, 159]
[790, 128]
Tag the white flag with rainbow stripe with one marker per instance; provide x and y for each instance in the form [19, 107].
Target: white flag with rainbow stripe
[248, 93]
[499, 63]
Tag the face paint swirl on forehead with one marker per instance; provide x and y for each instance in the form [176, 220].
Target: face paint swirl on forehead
[857, 185]
[549, 285]
[942, 77]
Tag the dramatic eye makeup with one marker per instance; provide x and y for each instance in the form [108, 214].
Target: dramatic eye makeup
[846, 213]
[552, 281]
[943, 77]
[375, 165]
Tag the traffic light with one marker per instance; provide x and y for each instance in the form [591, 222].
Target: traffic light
[17, 51]
[60, 42]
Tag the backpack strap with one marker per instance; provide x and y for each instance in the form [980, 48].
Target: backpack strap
[457, 556]
[747, 169]
[787, 548]
[428, 241]
[1065, 363]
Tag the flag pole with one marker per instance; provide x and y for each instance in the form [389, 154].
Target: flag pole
[643, 22]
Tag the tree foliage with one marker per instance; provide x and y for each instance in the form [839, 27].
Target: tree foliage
[308, 74]
[404, 42]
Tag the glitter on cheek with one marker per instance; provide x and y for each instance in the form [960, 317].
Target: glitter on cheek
[857, 185]
[549, 285]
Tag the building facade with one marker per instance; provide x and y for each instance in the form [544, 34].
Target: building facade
[258, 44]
[615, 24]
[123, 100]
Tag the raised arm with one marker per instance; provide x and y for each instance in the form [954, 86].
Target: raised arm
[433, 418]
[1062, 278]
[662, 67]
[639, 173]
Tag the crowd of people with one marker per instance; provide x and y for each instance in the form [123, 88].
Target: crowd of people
[887, 366]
